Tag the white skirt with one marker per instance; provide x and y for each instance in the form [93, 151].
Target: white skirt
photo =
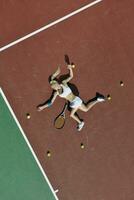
[76, 102]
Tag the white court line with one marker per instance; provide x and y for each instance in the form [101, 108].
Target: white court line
[49, 25]
[30, 147]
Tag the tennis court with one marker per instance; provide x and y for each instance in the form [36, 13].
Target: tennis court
[98, 37]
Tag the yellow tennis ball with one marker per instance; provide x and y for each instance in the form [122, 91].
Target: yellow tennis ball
[121, 83]
[48, 154]
[109, 97]
[82, 146]
[28, 116]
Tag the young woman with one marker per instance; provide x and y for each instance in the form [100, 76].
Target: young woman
[64, 91]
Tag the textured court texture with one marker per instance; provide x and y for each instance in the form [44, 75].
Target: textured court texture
[100, 42]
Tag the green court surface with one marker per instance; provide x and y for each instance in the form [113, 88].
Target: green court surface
[21, 176]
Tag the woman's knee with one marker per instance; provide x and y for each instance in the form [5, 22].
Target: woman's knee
[72, 113]
[83, 108]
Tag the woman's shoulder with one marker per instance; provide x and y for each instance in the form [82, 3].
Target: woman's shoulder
[64, 84]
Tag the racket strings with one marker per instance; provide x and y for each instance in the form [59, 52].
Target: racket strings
[59, 122]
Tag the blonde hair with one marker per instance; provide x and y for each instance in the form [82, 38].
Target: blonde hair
[53, 82]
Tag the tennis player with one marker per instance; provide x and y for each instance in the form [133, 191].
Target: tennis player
[64, 91]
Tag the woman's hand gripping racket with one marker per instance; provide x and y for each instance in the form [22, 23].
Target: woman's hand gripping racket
[69, 65]
[59, 121]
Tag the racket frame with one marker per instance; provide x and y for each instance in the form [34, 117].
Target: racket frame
[61, 114]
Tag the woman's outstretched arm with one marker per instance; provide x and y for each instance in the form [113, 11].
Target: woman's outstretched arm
[54, 75]
[70, 67]
[49, 103]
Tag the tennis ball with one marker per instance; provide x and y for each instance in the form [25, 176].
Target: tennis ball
[48, 154]
[109, 97]
[28, 116]
[82, 146]
[121, 83]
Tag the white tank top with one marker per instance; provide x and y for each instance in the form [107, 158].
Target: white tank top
[66, 91]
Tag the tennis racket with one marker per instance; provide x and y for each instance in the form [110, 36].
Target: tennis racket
[67, 60]
[59, 121]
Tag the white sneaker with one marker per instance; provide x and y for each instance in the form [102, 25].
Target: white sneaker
[80, 126]
[100, 99]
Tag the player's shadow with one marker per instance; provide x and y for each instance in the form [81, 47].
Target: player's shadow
[72, 86]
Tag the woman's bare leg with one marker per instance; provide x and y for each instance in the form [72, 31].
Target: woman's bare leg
[84, 108]
[74, 116]
[91, 104]
[87, 107]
